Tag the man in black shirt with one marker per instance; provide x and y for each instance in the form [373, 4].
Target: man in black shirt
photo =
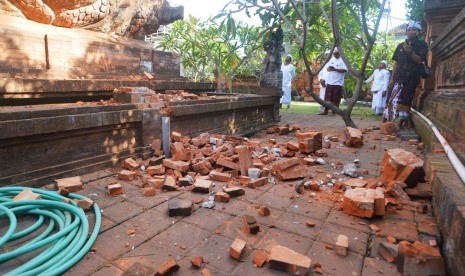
[409, 57]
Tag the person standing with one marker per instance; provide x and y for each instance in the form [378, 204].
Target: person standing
[380, 78]
[288, 75]
[336, 73]
[409, 57]
[322, 80]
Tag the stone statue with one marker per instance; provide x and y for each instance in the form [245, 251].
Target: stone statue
[128, 18]
[274, 48]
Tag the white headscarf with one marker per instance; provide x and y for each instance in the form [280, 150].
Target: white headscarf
[413, 24]
[384, 62]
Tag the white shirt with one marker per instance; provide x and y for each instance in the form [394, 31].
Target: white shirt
[333, 77]
[288, 74]
[381, 80]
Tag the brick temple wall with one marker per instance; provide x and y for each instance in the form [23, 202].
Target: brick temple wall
[36, 51]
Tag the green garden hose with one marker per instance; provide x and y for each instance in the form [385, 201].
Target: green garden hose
[63, 242]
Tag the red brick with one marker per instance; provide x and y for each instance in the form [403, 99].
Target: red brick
[237, 248]
[295, 172]
[130, 164]
[115, 189]
[396, 189]
[176, 165]
[360, 202]
[85, 203]
[26, 194]
[250, 224]
[234, 191]
[202, 186]
[148, 191]
[286, 163]
[158, 169]
[244, 180]
[202, 167]
[222, 197]
[228, 164]
[388, 251]
[419, 259]
[245, 159]
[412, 142]
[287, 260]
[197, 261]
[71, 184]
[167, 266]
[309, 161]
[264, 211]
[205, 272]
[169, 184]
[126, 175]
[389, 138]
[388, 128]
[218, 176]
[258, 182]
[354, 137]
[283, 130]
[292, 146]
[179, 152]
[260, 258]
[401, 165]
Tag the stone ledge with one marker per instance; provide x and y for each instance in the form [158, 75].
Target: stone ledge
[448, 200]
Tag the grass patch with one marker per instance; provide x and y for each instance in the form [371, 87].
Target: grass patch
[359, 110]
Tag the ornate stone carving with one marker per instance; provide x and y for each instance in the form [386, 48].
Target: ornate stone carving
[129, 18]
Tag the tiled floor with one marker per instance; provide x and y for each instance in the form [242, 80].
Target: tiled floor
[210, 232]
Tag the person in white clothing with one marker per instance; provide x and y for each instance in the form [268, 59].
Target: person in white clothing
[380, 78]
[288, 75]
[322, 80]
[336, 73]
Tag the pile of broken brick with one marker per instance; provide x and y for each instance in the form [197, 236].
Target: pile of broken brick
[196, 164]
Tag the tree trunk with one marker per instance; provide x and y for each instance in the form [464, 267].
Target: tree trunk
[346, 116]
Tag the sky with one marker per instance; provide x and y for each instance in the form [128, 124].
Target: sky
[205, 8]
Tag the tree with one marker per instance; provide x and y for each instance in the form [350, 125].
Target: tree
[415, 9]
[210, 48]
[315, 26]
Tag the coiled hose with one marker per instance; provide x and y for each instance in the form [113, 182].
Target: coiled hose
[65, 241]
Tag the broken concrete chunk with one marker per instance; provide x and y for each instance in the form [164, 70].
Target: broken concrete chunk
[287, 260]
[351, 170]
[180, 207]
[115, 189]
[342, 245]
[26, 194]
[234, 191]
[237, 248]
[71, 184]
[202, 186]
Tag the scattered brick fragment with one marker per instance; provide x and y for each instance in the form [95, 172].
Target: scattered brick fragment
[219, 176]
[197, 261]
[401, 165]
[264, 211]
[167, 266]
[250, 224]
[419, 259]
[354, 137]
[310, 223]
[260, 258]
[222, 197]
[202, 186]
[26, 194]
[234, 191]
[388, 251]
[237, 248]
[71, 184]
[148, 191]
[287, 260]
[205, 272]
[181, 166]
[126, 175]
[388, 128]
[342, 245]
[169, 184]
[85, 203]
[360, 201]
[130, 164]
[180, 207]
